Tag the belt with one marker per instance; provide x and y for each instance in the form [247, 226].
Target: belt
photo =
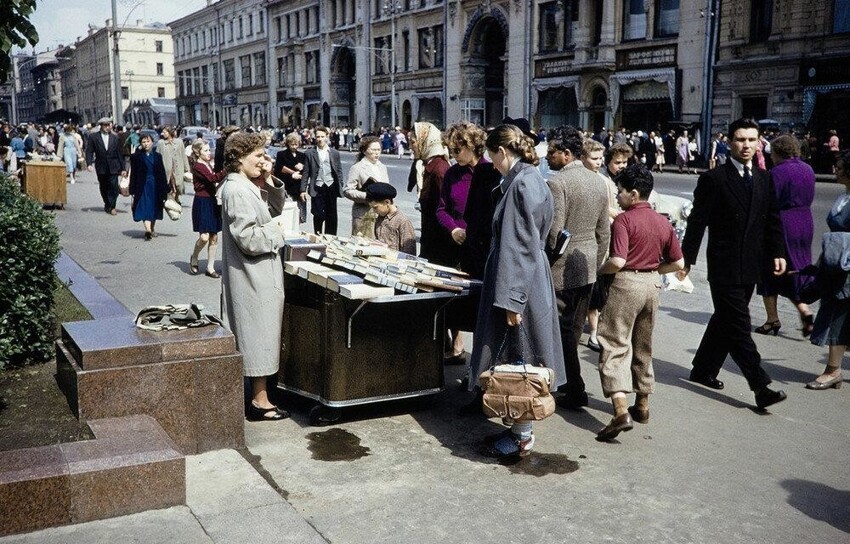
[633, 271]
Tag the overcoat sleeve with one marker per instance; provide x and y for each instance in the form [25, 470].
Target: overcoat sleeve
[352, 188]
[249, 236]
[518, 242]
[704, 196]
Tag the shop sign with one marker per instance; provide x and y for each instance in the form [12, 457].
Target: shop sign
[647, 57]
[560, 66]
[825, 72]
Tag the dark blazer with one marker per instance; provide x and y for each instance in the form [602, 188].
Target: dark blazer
[107, 161]
[139, 173]
[311, 170]
[744, 231]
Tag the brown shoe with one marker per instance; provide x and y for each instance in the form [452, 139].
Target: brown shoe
[619, 424]
[113, 211]
[639, 415]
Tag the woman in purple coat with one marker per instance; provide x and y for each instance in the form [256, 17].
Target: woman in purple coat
[794, 181]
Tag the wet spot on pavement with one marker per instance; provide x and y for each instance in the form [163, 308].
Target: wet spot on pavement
[541, 464]
[336, 445]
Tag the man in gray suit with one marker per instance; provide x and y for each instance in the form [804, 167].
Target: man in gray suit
[323, 178]
[581, 206]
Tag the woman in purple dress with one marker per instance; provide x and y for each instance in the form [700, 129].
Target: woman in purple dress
[794, 181]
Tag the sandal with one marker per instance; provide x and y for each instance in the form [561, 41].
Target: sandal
[808, 325]
[769, 327]
[193, 266]
[255, 413]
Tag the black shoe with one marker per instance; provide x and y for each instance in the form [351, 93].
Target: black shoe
[255, 413]
[573, 400]
[713, 383]
[594, 345]
[459, 359]
[767, 397]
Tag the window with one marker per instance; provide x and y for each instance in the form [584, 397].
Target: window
[557, 25]
[405, 40]
[260, 68]
[160, 92]
[381, 56]
[311, 61]
[761, 21]
[841, 17]
[160, 69]
[195, 39]
[125, 93]
[230, 36]
[158, 46]
[634, 20]
[181, 83]
[754, 107]
[241, 28]
[431, 47]
[667, 18]
[229, 74]
[196, 78]
[278, 27]
[261, 27]
[245, 66]
[204, 39]
[281, 72]
[214, 78]
[250, 24]
[205, 76]
[288, 26]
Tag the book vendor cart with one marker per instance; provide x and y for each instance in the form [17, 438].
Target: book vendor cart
[362, 324]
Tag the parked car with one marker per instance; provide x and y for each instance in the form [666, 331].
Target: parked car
[190, 134]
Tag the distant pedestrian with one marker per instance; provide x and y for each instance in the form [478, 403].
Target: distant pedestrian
[367, 168]
[70, 151]
[103, 155]
[148, 186]
[174, 157]
[322, 180]
[206, 214]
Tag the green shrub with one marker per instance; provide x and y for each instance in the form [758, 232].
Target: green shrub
[29, 247]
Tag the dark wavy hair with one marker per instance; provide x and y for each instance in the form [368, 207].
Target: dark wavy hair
[636, 177]
[566, 138]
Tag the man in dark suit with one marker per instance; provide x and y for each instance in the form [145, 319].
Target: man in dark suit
[103, 155]
[323, 179]
[580, 199]
[737, 203]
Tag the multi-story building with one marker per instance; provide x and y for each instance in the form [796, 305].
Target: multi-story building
[47, 85]
[221, 64]
[786, 62]
[23, 88]
[145, 70]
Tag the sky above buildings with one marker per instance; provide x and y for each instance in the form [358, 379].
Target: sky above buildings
[63, 21]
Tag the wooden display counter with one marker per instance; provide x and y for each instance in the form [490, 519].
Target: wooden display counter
[45, 182]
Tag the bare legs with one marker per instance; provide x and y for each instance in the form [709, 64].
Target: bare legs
[770, 308]
[211, 241]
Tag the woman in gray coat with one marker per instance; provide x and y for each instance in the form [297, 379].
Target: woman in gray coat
[252, 271]
[517, 279]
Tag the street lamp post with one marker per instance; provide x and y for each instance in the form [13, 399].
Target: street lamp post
[16, 73]
[392, 8]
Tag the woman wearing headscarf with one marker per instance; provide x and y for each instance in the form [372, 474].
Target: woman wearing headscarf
[435, 244]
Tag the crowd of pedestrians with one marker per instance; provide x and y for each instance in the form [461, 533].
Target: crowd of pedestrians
[487, 209]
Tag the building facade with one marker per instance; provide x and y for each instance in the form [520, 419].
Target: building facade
[221, 64]
[146, 70]
[784, 62]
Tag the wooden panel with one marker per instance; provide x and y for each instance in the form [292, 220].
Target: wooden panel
[45, 182]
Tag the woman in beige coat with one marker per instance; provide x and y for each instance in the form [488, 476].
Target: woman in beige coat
[252, 278]
[368, 165]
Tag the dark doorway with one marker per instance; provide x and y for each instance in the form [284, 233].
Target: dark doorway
[597, 109]
[343, 89]
[487, 51]
[754, 107]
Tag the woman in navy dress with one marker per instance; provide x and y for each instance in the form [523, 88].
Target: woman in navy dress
[206, 216]
[148, 185]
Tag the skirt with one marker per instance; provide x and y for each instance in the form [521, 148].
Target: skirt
[145, 205]
[832, 327]
[206, 216]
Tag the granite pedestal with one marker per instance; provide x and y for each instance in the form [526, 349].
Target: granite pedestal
[190, 381]
[130, 467]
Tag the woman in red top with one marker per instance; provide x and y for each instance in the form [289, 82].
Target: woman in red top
[206, 216]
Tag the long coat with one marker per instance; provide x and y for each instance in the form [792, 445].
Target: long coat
[517, 276]
[580, 197]
[252, 271]
[139, 175]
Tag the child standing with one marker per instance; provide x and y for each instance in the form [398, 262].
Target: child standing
[643, 245]
[391, 227]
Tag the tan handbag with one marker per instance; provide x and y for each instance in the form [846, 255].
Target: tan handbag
[517, 392]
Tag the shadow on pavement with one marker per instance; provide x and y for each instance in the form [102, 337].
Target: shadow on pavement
[700, 318]
[672, 374]
[821, 502]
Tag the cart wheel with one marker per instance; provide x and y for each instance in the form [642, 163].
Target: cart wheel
[321, 415]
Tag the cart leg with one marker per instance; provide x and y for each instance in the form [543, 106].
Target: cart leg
[324, 415]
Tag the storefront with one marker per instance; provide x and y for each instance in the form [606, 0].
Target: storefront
[429, 108]
[554, 97]
[643, 91]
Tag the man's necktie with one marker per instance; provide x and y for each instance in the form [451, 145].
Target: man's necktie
[748, 178]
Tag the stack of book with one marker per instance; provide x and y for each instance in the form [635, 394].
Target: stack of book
[362, 268]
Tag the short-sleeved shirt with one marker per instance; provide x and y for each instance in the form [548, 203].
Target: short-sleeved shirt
[644, 238]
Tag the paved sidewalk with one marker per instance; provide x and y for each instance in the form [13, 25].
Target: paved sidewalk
[706, 469]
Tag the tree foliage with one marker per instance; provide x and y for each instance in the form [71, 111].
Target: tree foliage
[15, 30]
